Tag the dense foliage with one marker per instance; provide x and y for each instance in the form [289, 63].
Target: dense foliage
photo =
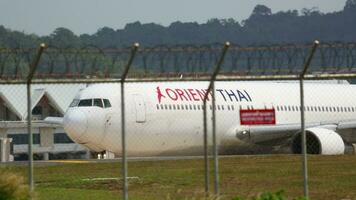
[262, 27]
[279, 195]
[13, 187]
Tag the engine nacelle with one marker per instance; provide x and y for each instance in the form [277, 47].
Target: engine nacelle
[319, 141]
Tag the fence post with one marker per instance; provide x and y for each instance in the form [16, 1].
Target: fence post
[211, 88]
[123, 133]
[33, 68]
[304, 139]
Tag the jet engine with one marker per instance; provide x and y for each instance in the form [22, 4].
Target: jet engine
[319, 141]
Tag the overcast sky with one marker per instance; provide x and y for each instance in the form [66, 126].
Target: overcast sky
[87, 16]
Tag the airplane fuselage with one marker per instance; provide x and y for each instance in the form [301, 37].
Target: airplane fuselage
[166, 118]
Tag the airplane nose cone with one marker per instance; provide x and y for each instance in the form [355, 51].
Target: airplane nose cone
[75, 123]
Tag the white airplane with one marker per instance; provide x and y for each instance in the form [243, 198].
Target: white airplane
[166, 118]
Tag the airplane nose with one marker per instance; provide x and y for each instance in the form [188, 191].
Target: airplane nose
[75, 123]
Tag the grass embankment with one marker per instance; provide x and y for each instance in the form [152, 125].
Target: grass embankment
[331, 177]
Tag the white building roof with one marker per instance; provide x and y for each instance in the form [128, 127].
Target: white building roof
[59, 95]
[9, 105]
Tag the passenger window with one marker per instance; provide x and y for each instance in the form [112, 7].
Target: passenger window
[107, 103]
[98, 102]
[232, 107]
[85, 103]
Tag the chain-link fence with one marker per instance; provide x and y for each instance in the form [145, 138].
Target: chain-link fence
[180, 122]
[172, 61]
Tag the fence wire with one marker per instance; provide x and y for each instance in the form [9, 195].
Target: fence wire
[90, 61]
[159, 117]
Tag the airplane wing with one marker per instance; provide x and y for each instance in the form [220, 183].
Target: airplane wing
[271, 134]
[346, 125]
[54, 120]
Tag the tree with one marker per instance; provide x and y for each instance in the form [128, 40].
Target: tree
[261, 10]
[311, 11]
[63, 37]
[105, 37]
[261, 28]
[350, 5]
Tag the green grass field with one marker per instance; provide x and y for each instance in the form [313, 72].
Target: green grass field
[331, 177]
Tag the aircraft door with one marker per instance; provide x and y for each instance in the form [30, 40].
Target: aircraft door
[108, 124]
[140, 109]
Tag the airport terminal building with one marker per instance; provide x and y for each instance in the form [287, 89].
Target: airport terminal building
[49, 141]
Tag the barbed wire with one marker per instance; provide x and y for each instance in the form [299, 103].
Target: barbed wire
[176, 60]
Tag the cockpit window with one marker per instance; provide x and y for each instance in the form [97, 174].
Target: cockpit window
[85, 102]
[91, 102]
[74, 103]
[107, 103]
[98, 102]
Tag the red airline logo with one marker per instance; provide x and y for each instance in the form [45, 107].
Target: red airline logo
[159, 95]
[190, 94]
[181, 94]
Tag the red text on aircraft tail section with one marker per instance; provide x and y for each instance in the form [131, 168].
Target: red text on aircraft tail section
[258, 117]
